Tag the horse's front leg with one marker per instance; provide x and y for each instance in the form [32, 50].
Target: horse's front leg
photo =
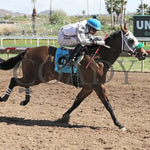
[80, 97]
[100, 91]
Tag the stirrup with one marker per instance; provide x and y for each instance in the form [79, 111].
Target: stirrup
[74, 62]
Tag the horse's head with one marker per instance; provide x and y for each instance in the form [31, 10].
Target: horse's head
[131, 45]
[120, 41]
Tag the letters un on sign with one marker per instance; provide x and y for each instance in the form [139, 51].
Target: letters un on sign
[141, 26]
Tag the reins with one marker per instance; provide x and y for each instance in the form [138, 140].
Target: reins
[124, 43]
[95, 54]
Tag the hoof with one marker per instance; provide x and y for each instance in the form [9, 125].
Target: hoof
[2, 99]
[123, 129]
[23, 103]
[64, 119]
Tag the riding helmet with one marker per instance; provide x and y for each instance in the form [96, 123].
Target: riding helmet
[94, 23]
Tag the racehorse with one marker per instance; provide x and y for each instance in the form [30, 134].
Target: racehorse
[38, 65]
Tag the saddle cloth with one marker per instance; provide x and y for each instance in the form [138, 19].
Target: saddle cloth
[67, 68]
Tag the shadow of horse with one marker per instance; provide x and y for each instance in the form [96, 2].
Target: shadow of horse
[49, 123]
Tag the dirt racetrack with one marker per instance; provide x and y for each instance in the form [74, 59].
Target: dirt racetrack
[90, 128]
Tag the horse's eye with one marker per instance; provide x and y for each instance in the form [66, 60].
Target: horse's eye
[131, 42]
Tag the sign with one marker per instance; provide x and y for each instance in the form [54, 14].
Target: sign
[141, 26]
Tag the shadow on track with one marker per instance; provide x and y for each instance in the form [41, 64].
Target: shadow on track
[30, 122]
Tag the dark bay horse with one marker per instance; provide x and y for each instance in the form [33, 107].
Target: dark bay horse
[38, 67]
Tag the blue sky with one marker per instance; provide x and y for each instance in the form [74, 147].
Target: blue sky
[71, 7]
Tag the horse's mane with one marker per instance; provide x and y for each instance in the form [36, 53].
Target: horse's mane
[91, 49]
[113, 35]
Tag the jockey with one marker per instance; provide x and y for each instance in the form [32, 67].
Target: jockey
[80, 34]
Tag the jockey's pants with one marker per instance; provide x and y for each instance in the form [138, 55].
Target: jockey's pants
[64, 40]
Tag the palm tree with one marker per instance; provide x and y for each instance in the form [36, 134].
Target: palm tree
[50, 12]
[34, 17]
[33, 1]
[117, 7]
[148, 10]
[145, 6]
[111, 9]
[83, 12]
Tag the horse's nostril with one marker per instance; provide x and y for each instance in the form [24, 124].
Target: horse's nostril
[144, 56]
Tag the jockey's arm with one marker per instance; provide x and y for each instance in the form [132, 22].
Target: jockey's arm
[82, 37]
[87, 39]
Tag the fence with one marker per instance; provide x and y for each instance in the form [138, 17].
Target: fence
[38, 38]
[25, 38]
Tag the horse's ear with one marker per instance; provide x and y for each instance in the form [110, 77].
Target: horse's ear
[125, 26]
[124, 29]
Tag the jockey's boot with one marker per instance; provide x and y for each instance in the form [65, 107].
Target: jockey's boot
[75, 54]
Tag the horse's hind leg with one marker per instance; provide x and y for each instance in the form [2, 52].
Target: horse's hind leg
[13, 83]
[27, 97]
[10, 88]
[80, 97]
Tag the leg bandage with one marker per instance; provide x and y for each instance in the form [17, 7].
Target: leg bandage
[8, 91]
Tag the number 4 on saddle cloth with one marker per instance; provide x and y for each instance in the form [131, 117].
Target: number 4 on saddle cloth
[61, 61]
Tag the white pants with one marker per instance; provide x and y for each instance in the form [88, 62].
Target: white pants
[63, 40]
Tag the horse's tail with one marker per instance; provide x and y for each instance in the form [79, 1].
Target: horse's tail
[11, 62]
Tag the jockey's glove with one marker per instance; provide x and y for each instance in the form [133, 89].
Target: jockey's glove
[99, 42]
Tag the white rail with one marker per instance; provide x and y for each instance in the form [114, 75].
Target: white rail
[37, 38]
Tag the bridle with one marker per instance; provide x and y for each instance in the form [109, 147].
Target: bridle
[125, 43]
[125, 47]
[131, 45]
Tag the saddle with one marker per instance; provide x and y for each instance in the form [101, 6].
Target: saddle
[73, 54]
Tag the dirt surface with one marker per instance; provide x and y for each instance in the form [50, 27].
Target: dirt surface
[32, 127]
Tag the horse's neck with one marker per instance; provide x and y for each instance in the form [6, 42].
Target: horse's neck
[109, 55]
[113, 53]
[113, 57]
